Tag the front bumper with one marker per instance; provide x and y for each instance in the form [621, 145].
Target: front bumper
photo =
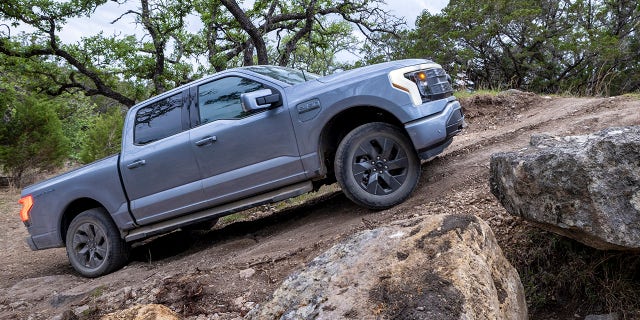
[432, 134]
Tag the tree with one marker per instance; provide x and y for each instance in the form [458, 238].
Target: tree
[317, 52]
[103, 137]
[161, 58]
[579, 46]
[128, 68]
[235, 34]
[46, 17]
[76, 113]
[31, 135]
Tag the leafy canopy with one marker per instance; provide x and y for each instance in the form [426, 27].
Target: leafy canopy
[575, 46]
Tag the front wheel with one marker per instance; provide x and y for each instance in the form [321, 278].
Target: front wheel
[376, 166]
[94, 246]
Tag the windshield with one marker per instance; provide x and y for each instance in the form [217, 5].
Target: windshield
[286, 75]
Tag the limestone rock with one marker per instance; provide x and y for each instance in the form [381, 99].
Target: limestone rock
[247, 273]
[583, 187]
[435, 267]
[143, 312]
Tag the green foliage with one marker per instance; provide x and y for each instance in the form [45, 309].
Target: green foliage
[234, 217]
[316, 53]
[568, 46]
[104, 136]
[160, 54]
[467, 94]
[77, 113]
[634, 95]
[31, 136]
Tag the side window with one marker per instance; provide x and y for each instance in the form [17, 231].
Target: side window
[158, 120]
[220, 99]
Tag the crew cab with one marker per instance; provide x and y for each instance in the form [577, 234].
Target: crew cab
[242, 138]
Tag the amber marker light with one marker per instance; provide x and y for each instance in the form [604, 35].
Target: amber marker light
[27, 203]
[397, 86]
[422, 76]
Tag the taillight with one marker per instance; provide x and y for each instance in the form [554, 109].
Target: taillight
[27, 203]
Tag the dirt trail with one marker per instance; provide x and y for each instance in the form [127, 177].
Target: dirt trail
[222, 273]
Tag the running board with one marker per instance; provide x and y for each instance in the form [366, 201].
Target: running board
[269, 197]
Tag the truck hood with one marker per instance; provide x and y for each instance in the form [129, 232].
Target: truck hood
[372, 70]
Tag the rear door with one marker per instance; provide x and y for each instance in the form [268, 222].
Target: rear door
[241, 153]
[158, 167]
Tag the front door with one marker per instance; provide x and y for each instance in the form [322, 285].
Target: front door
[241, 153]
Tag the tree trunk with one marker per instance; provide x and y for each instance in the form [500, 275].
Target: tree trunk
[249, 28]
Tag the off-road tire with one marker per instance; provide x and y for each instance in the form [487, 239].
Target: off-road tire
[376, 166]
[93, 243]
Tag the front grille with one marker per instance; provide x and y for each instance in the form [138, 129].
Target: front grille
[438, 86]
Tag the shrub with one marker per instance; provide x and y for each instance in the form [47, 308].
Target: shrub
[31, 136]
[103, 137]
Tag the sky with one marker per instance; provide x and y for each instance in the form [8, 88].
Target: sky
[410, 9]
[75, 29]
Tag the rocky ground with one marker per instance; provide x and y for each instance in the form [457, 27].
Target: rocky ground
[223, 273]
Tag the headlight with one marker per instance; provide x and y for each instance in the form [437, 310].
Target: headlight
[433, 84]
[420, 78]
[425, 82]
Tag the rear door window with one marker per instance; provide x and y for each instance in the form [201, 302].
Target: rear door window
[158, 120]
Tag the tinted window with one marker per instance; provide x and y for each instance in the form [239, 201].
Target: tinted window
[286, 75]
[220, 99]
[158, 120]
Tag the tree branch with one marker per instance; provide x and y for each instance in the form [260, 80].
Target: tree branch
[249, 28]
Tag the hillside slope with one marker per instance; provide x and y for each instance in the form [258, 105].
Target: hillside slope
[227, 270]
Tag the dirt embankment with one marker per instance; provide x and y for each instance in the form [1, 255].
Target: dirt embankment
[222, 273]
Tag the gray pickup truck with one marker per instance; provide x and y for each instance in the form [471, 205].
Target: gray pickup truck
[241, 138]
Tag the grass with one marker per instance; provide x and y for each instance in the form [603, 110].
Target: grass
[234, 217]
[278, 206]
[97, 292]
[562, 274]
[467, 94]
[634, 95]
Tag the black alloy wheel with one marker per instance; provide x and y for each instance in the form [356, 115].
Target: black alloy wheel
[376, 166]
[94, 246]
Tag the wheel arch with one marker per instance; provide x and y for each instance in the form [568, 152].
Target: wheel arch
[344, 122]
[73, 210]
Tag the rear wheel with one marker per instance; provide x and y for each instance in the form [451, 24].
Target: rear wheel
[376, 166]
[94, 246]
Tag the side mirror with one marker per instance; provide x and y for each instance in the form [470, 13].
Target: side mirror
[261, 99]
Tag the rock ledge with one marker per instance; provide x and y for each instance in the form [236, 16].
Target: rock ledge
[583, 187]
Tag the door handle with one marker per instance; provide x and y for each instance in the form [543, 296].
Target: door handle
[136, 164]
[206, 141]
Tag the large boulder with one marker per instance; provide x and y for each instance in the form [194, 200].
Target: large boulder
[583, 187]
[434, 267]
